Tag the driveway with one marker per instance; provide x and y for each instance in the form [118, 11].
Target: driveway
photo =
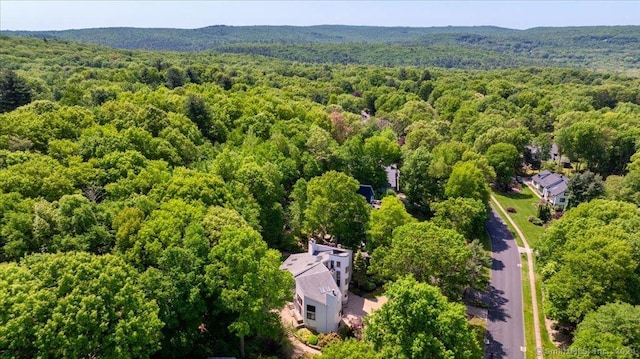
[359, 307]
[505, 323]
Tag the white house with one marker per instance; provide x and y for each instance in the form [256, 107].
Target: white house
[552, 186]
[322, 278]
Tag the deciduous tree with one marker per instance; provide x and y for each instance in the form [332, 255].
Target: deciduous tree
[388, 217]
[431, 254]
[505, 160]
[467, 181]
[583, 187]
[250, 282]
[334, 207]
[613, 329]
[419, 322]
[76, 305]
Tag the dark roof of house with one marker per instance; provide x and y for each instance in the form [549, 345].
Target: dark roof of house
[552, 180]
[558, 189]
[537, 178]
[366, 191]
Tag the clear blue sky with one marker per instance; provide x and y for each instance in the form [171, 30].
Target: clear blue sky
[59, 15]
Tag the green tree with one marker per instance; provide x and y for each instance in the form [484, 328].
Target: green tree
[431, 254]
[583, 187]
[419, 322]
[631, 182]
[388, 217]
[334, 207]
[174, 78]
[14, 91]
[350, 349]
[593, 271]
[250, 282]
[467, 181]
[418, 183]
[614, 328]
[505, 160]
[464, 215]
[76, 305]
[197, 111]
[584, 141]
[359, 268]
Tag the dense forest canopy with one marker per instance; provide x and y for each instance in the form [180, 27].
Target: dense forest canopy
[611, 48]
[176, 178]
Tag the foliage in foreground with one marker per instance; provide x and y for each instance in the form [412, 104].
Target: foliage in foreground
[419, 322]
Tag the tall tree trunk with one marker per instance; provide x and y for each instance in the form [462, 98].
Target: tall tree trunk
[242, 346]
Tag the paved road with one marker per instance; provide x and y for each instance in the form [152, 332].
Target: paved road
[505, 326]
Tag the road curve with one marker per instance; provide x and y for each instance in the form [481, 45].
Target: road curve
[505, 319]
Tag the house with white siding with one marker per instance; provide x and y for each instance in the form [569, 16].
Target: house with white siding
[322, 276]
[552, 187]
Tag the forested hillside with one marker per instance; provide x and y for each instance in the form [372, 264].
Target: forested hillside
[145, 196]
[610, 48]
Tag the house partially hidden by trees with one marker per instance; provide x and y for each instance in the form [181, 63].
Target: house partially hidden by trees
[552, 187]
[367, 192]
[322, 277]
[393, 177]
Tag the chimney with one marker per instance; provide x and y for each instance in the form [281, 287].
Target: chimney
[312, 246]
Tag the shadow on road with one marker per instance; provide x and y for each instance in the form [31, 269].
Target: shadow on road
[497, 264]
[492, 348]
[498, 231]
[495, 302]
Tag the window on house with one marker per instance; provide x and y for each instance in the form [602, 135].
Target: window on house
[562, 200]
[338, 277]
[346, 281]
[311, 312]
[346, 270]
[331, 264]
[338, 264]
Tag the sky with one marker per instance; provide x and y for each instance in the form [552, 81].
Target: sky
[62, 15]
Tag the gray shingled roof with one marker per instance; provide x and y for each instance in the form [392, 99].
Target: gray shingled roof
[538, 177]
[316, 283]
[300, 262]
[552, 180]
[558, 189]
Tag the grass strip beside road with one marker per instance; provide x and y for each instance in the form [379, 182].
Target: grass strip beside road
[529, 338]
[532, 283]
[524, 202]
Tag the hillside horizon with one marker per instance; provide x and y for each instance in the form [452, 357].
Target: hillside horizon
[601, 48]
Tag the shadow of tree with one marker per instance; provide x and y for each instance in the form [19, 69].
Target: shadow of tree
[495, 301]
[492, 348]
[499, 233]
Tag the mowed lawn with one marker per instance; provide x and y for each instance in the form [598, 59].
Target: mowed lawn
[525, 204]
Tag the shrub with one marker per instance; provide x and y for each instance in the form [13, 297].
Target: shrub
[312, 339]
[369, 286]
[345, 332]
[328, 339]
[535, 220]
[303, 334]
[544, 212]
[511, 210]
